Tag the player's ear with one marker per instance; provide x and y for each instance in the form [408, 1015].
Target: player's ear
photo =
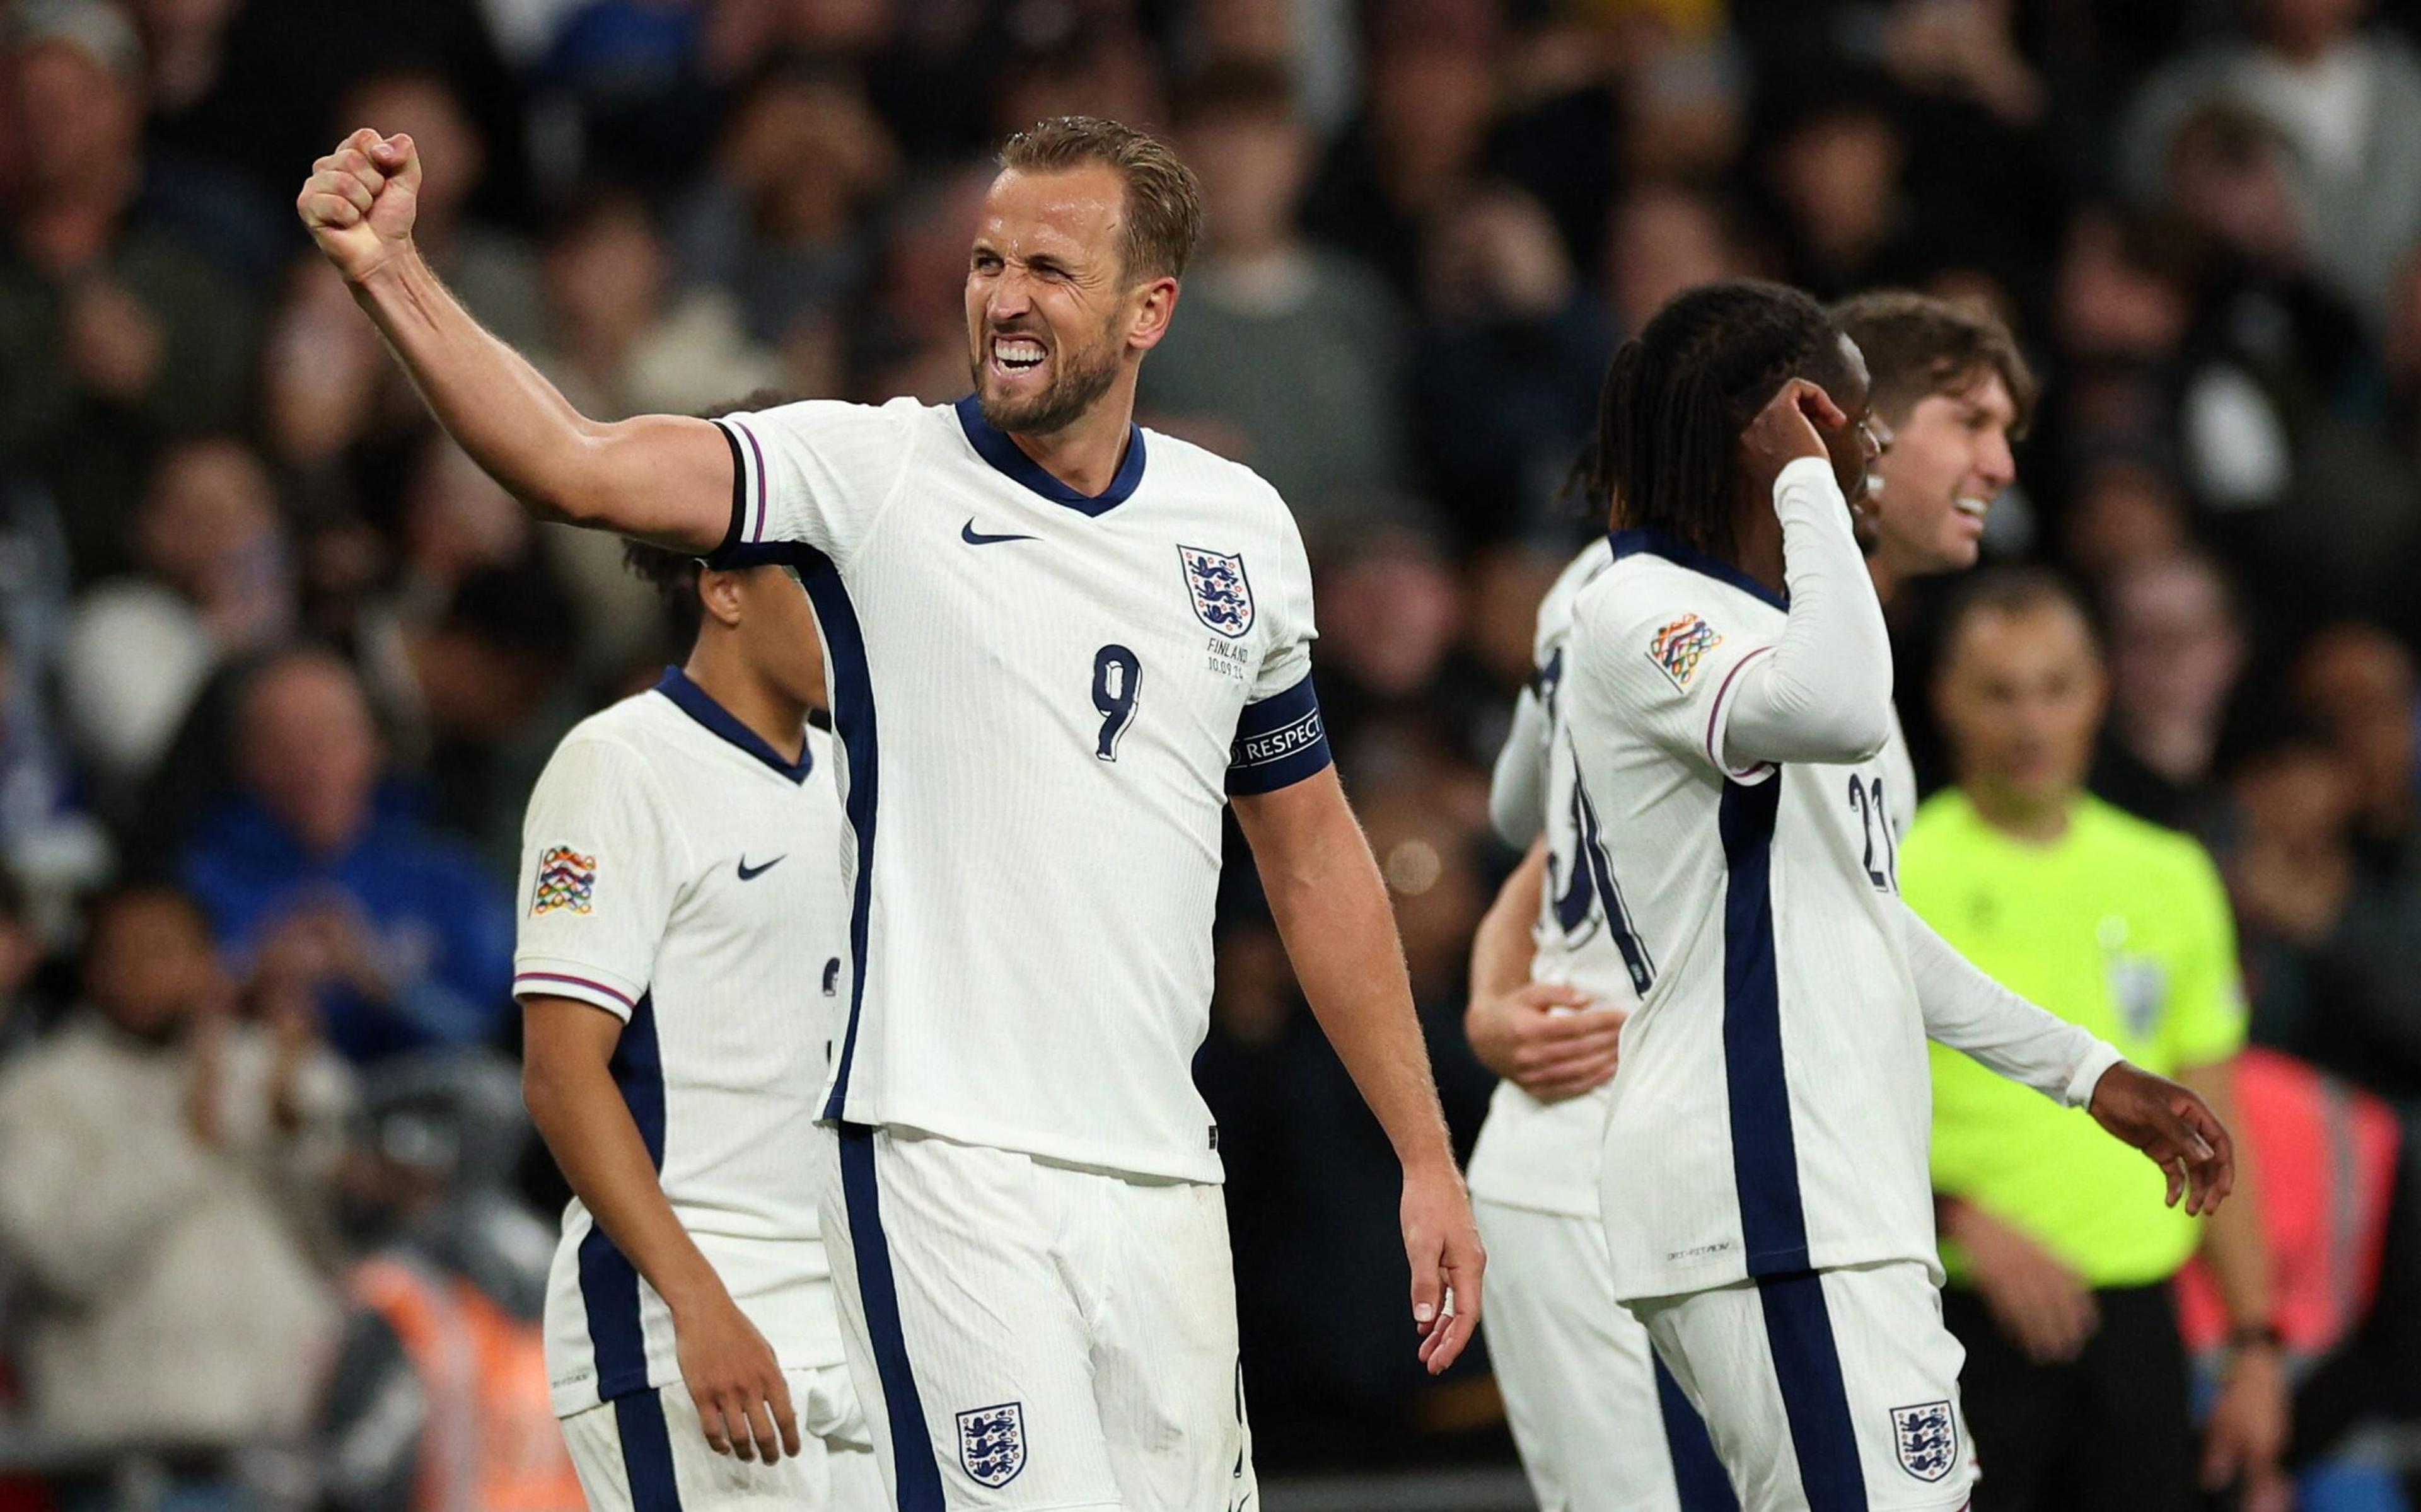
[718, 593]
[1157, 306]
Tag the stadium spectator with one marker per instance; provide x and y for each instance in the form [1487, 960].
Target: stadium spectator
[1504, 372]
[1416, 146]
[437, 1400]
[1290, 356]
[2177, 649]
[212, 582]
[2343, 96]
[164, 1168]
[2075, 1381]
[777, 222]
[318, 874]
[20, 955]
[623, 338]
[115, 330]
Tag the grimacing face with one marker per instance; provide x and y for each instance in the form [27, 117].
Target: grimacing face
[2022, 694]
[1949, 459]
[1051, 310]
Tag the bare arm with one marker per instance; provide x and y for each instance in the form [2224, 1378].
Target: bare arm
[568, 1082]
[1511, 1022]
[663, 478]
[1331, 907]
[2248, 1427]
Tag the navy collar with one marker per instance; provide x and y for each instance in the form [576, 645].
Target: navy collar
[1008, 458]
[1631, 542]
[694, 701]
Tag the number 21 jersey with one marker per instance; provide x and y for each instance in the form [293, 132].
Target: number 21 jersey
[1044, 699]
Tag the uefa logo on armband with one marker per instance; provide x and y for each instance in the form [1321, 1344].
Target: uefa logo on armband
[566, 880]
[1676, 648]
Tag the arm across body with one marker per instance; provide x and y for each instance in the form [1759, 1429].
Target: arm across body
[1822, 692]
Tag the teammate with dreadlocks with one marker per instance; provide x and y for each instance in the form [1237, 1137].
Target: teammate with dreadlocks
[1724, 704]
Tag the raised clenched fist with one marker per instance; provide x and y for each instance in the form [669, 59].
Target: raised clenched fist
[360, 199]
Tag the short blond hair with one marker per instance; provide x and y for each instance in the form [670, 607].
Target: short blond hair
[1163, 200]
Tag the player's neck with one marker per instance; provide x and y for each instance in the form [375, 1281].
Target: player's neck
[2035, 821]
[723, 675]
[1086, 453]
[1886, 582]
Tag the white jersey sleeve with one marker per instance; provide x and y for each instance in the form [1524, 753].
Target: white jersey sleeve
[816, 474]
[1969, 1011]
[1824, 692]
[600, 868]
[1280, 738]
[1517, 790]
[1671, 659]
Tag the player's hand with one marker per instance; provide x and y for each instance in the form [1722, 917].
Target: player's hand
[1791, 426]
[2041, 1307]
[1545, 1039]
[360, 200]
[2175, 1128]
[1443, 1244]
[2247, 1432]
[734, 1377]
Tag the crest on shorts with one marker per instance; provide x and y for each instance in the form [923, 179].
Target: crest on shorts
[1926, 1438]
[1676, 648]
[991, 1443]
[1223, 596]
[566, 880]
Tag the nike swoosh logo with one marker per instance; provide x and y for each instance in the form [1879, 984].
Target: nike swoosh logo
[973, 537]
[749, 873]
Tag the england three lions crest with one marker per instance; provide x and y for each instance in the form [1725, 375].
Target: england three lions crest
[1926, 1440]
[1223, 596]
[991, 1443]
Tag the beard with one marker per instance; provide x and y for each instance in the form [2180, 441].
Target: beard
[1078, 380]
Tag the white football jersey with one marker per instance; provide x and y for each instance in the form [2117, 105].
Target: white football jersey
[680, 875]
[1772, 1110]
[1543, 1156]
[1043, 700]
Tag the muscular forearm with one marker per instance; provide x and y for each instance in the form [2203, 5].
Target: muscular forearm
[1331, 907]
[1968, 1011]
[640, 477]
[587, 1127]
[2232, 1241]
[1823, 693]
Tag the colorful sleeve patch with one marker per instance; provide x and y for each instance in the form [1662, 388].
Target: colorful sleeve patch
[566, 880]
[1678, 648]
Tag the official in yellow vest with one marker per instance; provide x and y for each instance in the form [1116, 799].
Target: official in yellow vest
[2057, 1243]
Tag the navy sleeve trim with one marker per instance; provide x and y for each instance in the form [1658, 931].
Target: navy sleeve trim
[731, 537]
[1279, 741]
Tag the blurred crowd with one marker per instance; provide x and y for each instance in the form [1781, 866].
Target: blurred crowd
[278, 665]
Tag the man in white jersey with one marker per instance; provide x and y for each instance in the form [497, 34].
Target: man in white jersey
[1726, 696]
[1058, 646]
[1598, 1424]
[680, 872]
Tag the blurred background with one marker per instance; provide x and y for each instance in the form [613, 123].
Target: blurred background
[278, 665]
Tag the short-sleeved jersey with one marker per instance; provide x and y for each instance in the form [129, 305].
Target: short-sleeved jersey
[678, 873]
[2120, 927]
[1044, 699]
[1543, 1156]
[1770, 1113]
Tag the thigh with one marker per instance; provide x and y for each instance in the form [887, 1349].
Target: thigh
[966, 1346]
[1596, 1428]
[2024, 1415]
[2137, 1450]
[1830, 1392]
[1159, 1292]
